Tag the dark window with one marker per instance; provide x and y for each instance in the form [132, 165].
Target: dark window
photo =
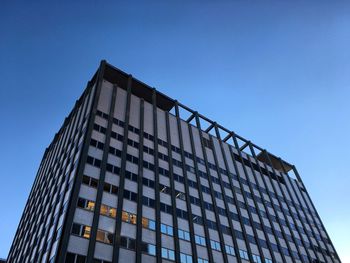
[76, 229]
[80, 259]
[70, 258]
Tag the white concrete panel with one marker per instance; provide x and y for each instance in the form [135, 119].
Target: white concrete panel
[109, 199]
[106, 223]
[87, 192]
[185, 247]
[148, 212]
[135, 111]
[83, 217]
[166, 218]
[126, 255]
[148, 259]
[120, 105]
[197, 142]
[104, 101]
[78, 245]
[92, 171]
[103, 251]
[148, 236]
[167, 241]
[128, 230]
[112, 178]
[186, 136]
[217, 256]
[174, 135]
[161, 125]
[148, 118]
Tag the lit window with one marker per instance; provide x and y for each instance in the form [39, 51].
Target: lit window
[86, 231]
[125, 216]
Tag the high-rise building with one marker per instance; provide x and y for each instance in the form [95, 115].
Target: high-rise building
[135, 176]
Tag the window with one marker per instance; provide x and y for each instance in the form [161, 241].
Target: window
[108, 211]
[148, 201]
[93, 161]
[168, 253]
[256, 258]
[151, 249]
[74, 258]
[148, 223]
[202, 260]
[131, 176]
[184, 234]
[199, 240]
[148, 182]
[100, 261]
[129, 217]
[130, 195]
[165, 208]
[230, 250]
[90, 181]
[184, 258]
[165, 229]
[86, 204]
[128, 242]
[110, 188]
[180, 195]
[243, 254]
[267, 260]
[81, 230]
[164, 189]
[100, 128]
[207, 143]
[215, 245]
[104, 236]
[96, 144]
[148, 248]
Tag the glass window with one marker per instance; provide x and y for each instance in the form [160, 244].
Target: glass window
[76, 229]
[152, 225]
[171, 254]
[80, 259]
[125, 216]
[104, 210]
[151, 249]
[81, 203]
[132, 219]
[170, 230]
[86, 231]
[70, 258]
[90, 205]
[113, 212]
[163, 228]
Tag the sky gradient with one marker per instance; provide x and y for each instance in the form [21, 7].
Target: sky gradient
[275, 72]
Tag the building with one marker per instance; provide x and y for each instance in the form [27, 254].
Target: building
[135, 176]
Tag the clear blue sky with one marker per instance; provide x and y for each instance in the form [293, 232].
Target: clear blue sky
[275, 72]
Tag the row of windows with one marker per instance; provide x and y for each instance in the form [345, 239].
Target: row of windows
[197, 219]
[131, 158]
[206, 142]
[202, 174]
[212, 166]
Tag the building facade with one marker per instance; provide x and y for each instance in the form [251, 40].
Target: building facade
[135, 176]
